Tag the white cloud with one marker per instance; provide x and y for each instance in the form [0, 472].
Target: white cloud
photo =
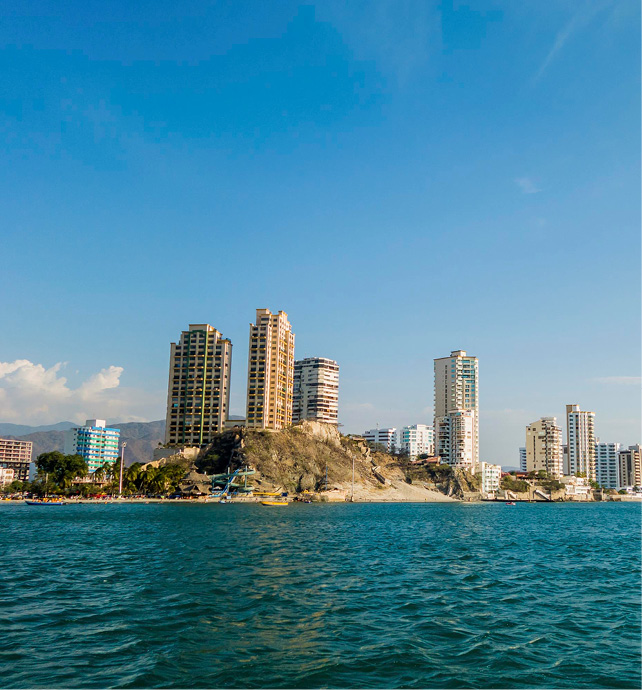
[620, 380]
[580, 19]
[33, 394]
[527, 185]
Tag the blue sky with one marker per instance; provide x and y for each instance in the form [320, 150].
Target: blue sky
[403, 178]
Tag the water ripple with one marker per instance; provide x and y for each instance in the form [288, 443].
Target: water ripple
[373, 596]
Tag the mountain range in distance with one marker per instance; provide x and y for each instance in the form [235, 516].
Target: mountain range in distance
[141, 437]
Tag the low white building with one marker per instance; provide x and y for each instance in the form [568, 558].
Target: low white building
[576, 486]
[417, 439]
[383, 437]
[491, 476]
[6, 475]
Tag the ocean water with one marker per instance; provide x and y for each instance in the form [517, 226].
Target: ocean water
[362, 595]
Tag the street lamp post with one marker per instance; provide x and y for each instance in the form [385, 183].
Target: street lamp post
[122, 460]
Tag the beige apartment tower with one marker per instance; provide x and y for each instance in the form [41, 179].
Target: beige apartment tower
[544, 447]
[270, 372]
[630, 466]
[457, 410]
[198, 396]
[580, 439]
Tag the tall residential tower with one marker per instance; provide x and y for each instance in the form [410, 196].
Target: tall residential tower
[457, 410]
[198, 395]
[270, 372]
[316, 390]
[580, 439]
[544, 447]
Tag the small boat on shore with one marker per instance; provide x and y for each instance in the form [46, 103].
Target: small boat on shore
[274, 503]
[45, 503]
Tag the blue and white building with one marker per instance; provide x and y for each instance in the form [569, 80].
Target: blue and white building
[96, 442]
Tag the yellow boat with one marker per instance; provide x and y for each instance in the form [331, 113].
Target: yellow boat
[274, 503]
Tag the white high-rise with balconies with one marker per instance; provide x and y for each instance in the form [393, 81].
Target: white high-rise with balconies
[580, 439]
[607, 465]
[316, 390]
[417, 439]
[457, 410]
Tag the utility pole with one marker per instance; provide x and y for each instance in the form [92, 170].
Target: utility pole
[122, 460]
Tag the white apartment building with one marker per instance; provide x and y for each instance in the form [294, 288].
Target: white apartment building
[316, 390]
[6, 475]
[607, 465]
[544, 447]
[565, 468]
[455, 439]
[457, 409]
[491, 477]
[417, 439]
[522, 459]
[96, 442]
[16, 456]
[580, 439]
[198, 392]
[384, 437]
[630, 466]
[270, 372]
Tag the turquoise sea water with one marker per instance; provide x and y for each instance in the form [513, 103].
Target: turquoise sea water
[364, 595]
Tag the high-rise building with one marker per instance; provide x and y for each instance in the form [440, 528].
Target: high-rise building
[270, 372]
[544, 447]
[382, 437]
[607, 466]
[96, 442]
[198, 394]
[457, 409]
[455, 439]
[417, 439]
[522, 459]
[631, 466]
[580, 439]
[565, 468]
[16, 456]
[316, 390]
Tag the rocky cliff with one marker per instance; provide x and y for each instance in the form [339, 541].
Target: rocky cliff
[315, 457]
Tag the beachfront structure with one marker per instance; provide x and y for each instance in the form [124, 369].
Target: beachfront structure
[316, 390]
[6, 476]
[607, 466]
[544, 447]
[16, 456]
[417, 439]
[491, 476]
[455, 439]
[198, 392]
[270, 372]
[457, 409]
[96, 442]
[522, 459]
[382, 437]
[580, 439]
[630, 461]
